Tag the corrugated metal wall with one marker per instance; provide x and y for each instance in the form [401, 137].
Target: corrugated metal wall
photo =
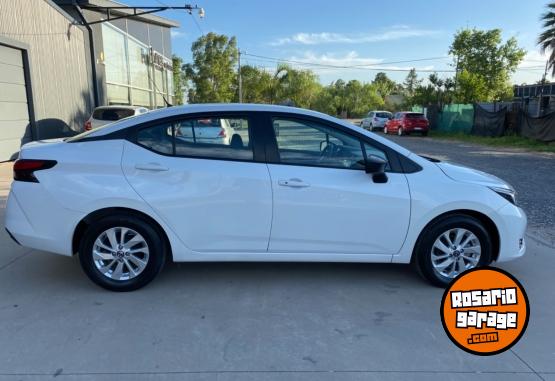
[61, 85]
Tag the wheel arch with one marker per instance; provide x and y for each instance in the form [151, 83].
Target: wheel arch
[110, 211]
[488, 223]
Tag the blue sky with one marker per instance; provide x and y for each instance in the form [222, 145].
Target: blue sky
[347, 33]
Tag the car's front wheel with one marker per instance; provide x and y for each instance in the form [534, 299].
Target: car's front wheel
[450, 246]
[121, 252]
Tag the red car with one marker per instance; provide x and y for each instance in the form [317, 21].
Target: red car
[404, 123]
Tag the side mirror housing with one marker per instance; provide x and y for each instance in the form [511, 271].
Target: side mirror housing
[375, 166]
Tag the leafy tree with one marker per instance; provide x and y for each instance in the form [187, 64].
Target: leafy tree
[178, 80]
[483, 60]
[212, 72]
[294, 86]
[411, 82]
[546, 39]
[384, 85]
[257, 85]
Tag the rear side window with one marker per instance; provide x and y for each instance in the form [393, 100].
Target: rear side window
[112, 113]
[209, 137]
[414, 115]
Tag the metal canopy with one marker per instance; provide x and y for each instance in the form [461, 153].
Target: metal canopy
[134, 11]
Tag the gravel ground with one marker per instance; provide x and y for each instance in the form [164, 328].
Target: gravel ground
[532, 174]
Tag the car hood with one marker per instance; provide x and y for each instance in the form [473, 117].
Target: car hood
[470, 175]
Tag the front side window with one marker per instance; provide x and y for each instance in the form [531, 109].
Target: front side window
[204, 137]
[313, 144]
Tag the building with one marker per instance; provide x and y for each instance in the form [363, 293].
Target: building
[537, 99]
[59, 59]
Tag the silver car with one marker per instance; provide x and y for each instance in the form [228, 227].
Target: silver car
[209, 130]
[375, 120]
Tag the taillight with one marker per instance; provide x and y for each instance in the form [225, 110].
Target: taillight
[375, 119]
[222, 133]
[23, 169]
[88, 125]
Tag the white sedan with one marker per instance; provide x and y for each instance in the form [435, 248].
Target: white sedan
[131, 195]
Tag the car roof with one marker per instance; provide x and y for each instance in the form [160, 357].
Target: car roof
[233, 107]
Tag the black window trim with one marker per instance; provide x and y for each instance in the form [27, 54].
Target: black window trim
[264, 142]
[256, 148]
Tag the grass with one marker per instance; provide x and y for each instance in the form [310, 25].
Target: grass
[510, 141]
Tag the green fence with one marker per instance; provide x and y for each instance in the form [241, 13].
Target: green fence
[453, 117]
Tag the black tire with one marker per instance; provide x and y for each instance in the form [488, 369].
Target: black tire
[152, 236]
[425, 133]
[422, 256]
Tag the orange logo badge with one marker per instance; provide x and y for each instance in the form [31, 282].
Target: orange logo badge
[485, 311]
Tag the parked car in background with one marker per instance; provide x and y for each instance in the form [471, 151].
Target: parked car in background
[208, 130]
[107, 114]
[404, 123]
[375, 120]
[132, 195]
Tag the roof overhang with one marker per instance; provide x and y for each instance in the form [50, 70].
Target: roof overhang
[148, 18]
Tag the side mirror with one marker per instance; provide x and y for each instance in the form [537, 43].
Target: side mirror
[375, 166]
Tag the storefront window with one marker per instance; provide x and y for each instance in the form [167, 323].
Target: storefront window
[138, 65]
[115, 56]
[135, 74]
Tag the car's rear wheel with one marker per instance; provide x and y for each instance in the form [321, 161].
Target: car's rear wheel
[450, 246]
[400, 131]
[385, 130]
[121, 252]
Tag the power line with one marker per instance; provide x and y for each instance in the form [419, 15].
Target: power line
[360, 67]
[371, 67]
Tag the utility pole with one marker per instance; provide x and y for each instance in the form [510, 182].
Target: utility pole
[240, 79]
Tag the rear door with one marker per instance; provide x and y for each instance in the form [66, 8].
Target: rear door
[215, 196]
[324, 202]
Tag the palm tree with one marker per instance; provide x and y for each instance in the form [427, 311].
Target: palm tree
[546, 40]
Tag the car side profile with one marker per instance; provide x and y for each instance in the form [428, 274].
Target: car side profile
[405, 123]
[134, 194]
[375, 120]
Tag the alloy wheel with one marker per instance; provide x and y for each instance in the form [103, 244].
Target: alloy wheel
[120, 253]
[400, 131]
[454, 251]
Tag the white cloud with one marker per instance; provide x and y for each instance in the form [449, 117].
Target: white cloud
[176, 33]
[394, 32]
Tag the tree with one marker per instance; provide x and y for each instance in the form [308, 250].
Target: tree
[411, 82]
[178, 80]
[257, 85]
[294, 86]
[482, 59]
[546, 39]
[384, 85]
[212, 72]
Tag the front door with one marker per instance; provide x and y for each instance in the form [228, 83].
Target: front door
[211, 192]
[324, 201]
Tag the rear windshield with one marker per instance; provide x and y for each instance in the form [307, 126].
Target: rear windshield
[414, 115]
[383, 114]
[112, 113]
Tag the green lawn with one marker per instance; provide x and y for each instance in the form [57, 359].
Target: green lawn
[511, 141]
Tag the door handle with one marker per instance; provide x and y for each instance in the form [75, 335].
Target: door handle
[155, 167]
[293, 183]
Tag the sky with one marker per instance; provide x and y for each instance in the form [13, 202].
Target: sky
[373, 35]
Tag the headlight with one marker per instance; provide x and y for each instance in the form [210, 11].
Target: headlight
[507, 194]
